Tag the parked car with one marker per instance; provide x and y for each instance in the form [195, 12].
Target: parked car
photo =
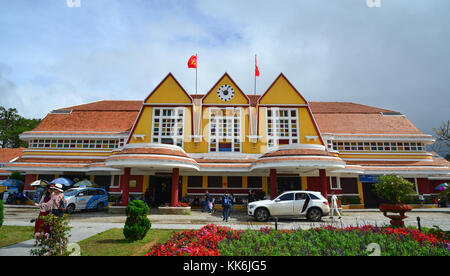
[311, 205]
[85, 198]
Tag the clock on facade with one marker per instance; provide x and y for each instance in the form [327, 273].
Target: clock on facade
[225, 92]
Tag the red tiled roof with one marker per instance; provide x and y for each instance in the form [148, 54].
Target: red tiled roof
[153, 150]
[96, 121]
[108, 106]
[364, 124]
[344, 108]
[331, 117]
[8, 154]
[297, 152]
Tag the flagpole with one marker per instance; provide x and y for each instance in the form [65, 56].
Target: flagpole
[255, 75]
[196, 67]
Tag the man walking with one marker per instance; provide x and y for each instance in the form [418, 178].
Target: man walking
[207, 200]
[334, 206]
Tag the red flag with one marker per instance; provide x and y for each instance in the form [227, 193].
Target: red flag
[256, 69]
[192, 63]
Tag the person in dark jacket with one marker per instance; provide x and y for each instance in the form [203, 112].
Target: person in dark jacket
[226, 204]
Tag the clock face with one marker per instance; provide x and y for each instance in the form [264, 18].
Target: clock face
[225, 92]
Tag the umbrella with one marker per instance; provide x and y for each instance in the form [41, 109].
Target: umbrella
[40, 183]
[441, 187]
[63, 181]
[84, 183]
[11, 183]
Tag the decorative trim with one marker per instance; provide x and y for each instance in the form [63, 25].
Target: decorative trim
[140, 136]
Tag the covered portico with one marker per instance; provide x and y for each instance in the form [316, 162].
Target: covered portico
[149, 159]
[298, 160]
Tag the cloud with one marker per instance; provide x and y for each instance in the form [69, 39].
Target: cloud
[393, 57]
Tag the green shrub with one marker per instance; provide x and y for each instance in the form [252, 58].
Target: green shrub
[345, 200]
[1, 213]
[394, 189]
[137, 223]
[53, 243]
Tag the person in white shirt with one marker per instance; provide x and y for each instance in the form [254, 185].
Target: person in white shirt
[334, 206]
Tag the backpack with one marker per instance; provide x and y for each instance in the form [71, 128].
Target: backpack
[226, 201]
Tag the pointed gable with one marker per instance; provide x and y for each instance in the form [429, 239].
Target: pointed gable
[221, 94]
[169, 91]
[281, 92]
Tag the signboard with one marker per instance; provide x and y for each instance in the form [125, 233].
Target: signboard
[368, 178]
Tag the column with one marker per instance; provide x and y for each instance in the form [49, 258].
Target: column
[184, 185]
[323, 182]
[273, 183]
[125, 182]
[304, 183]
[360, 191]
[175, 177]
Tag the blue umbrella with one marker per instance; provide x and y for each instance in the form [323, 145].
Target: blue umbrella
[63, 181]
[11, 183]
[441, 187]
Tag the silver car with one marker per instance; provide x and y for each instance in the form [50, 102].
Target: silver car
[309, 204]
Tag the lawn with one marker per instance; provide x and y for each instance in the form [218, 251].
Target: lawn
[10, 235]
[113, 243]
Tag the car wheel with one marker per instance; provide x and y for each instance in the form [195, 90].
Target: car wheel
[70, 209]
[314, 214]
[261, 214]
[100, 206]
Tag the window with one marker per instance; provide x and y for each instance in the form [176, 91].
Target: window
[377, 146]
[225, 130]
[195, 181]
[77, 144]
[300, 196]
[282, 127]
[234, 181]
[254, 182]
[214, 182]
[335, 183]
[168, 126]
[286, 197]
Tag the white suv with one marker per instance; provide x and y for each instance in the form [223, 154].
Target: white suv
[311, 205]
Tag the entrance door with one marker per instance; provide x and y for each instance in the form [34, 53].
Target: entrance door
[371, 199]
[160, 187]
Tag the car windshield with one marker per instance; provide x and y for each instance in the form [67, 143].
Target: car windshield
[71, 192]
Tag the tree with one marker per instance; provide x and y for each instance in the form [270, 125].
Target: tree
[12, 125]
[442, 144]
[443, 134]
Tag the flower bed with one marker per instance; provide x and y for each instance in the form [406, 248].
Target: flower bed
[214, 240]
[203, 242]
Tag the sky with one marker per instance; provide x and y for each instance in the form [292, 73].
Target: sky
[392, 54]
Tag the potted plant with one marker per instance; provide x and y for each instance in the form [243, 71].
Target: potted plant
[396, 191]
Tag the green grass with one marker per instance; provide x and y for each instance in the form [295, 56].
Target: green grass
[112, 243]
[10, 235]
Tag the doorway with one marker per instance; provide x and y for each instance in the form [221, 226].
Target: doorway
[159, 190]
[288, 184]
[371, 199]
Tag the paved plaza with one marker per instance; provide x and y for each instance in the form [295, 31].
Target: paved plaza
[86, 224]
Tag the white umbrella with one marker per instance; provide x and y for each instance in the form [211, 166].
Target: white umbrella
[84, 183]
[41, 183]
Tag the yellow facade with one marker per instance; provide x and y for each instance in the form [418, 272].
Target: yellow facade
[212, 97]
[281, 92]
[169, 91]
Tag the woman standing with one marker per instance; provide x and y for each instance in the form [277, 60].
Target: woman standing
[46, 196]
[52, 205]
